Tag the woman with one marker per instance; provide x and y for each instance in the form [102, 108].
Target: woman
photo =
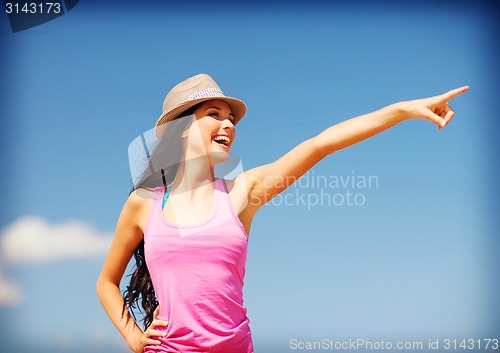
[189, 230]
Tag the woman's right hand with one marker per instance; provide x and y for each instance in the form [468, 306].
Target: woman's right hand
[149, 337]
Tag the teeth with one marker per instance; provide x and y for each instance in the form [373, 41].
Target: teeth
[223, 139]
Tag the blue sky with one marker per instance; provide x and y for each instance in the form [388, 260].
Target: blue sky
[416, 260]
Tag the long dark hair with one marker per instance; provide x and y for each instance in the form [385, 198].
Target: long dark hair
[160, 171]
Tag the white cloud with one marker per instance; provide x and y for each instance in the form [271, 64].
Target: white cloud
[32, 239]
[10, 293]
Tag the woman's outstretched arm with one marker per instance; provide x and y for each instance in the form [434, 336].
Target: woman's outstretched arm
[267, 181]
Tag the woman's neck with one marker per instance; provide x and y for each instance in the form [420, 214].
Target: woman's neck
[193, 174]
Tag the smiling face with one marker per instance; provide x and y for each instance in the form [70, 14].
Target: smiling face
[212, 132]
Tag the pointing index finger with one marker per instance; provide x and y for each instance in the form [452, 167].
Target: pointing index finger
[453, 93]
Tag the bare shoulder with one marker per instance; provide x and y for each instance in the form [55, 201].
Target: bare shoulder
[239, 190]
[245, 181]
[143, 194]
[139, 203]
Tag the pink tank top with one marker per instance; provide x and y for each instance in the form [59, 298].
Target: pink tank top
[198, 272]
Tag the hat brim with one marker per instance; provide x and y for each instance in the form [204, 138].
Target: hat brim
[238, 108]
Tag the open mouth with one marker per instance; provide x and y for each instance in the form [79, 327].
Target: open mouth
[222, 140]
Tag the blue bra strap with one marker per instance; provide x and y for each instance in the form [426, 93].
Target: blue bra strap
[165, 197]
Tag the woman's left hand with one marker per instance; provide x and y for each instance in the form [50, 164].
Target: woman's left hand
[151, 334]
[435, 109]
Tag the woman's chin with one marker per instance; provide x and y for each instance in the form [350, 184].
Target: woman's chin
[219, 156]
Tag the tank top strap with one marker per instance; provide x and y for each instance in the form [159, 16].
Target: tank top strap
[222, 193]
[226, 209]
[219, 187]
[154, 219]
[219, 195]
[159, 191]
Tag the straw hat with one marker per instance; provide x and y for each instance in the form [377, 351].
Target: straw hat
[192, 91]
